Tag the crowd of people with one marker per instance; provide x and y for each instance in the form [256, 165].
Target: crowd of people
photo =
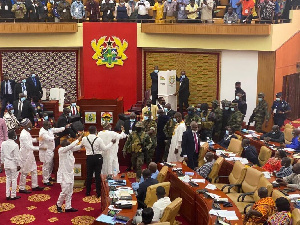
[170, 11]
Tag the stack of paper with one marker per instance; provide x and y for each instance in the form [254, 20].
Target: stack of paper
[294, 196]
[267, 175]
[198, 180]
[229, 215]
[211, 187]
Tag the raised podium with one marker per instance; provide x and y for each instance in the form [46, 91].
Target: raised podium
[167, 87]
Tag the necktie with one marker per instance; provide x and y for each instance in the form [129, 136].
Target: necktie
[196, 144]
[19, 110]
[74, 110]
[34, 81]
[6, 87]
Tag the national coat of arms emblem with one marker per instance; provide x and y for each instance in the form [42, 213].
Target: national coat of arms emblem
[109, 51]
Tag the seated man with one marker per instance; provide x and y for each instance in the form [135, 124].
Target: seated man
[147, 216]
[293, 180]
[161, 203]
[295, 141]
[249, 152]
[206, 168]
[230, 17]
[143, 187]
[227, 137]
[262, 209]
[275, 135]
[286, 168]
[154, 172]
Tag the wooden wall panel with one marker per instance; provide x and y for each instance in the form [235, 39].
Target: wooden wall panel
[265, 78]
[21, 28]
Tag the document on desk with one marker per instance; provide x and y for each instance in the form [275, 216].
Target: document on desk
[198, 180]
[229, 215]
[267, 175]
[106, 219]
[211, 187]
[294, 196]
[289, 149]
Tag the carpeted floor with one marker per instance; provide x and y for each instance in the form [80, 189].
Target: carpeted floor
[39, 206]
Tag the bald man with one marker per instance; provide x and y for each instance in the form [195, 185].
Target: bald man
[275, 135]
[206, 168]
[293, 180]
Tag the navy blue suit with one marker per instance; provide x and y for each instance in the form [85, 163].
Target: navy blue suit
[188, 148]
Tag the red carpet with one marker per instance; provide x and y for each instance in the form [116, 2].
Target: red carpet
[39, 206]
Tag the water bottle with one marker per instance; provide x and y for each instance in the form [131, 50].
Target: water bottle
[115, 172]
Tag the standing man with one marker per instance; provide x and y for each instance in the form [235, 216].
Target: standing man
[150, 107]
[175, 148]
[168, 110]
[238, 89]
[242, 105]
[93, 11]
[3, 134]
[28, 163]
[169, 130]
[75, 109]
[138, 143]
[154, 86]
[23, 108]
[191, 146]
[7, 92]
[184, 91]
[10, 157]
[161, 136]
[149, 122]
[161, 103]
[21, 87]
[11, 121]
[129, 125]
[47, 141]
[34, 86]
[279, 110]
[226, 112]
[260, 113]
[236, 118]
[77, 10]
[217, 118]
[94, 147]
[110, 158]
[65, 173]
[191, 116]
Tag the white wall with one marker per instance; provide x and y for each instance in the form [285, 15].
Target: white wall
[239, 66]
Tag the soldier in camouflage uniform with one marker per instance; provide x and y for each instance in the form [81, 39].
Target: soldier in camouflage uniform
[260, 113]
[137, 144]
[169, 130]
[149, 155]
[149, 122]
[191, 116]
[226, 115]
[236, 118]
[206, 119]
[217, 118]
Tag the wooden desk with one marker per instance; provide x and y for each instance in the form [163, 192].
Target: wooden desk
[106, 200]
[195, 207]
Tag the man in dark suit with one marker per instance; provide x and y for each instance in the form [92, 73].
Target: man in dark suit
[191, 146]
[21, 87]
[154, 86]
[23, 109]
[169, 111]
[7, 92]
[162, 120]
[148, 181]
[184, 91]
[63, 120]
[34, 86]
[129, 125]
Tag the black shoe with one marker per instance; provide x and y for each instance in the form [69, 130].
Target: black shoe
[87, 194]
[7, 198]
[71, 210]
[15, 198]
[24, 191]
[52, 179]
[38, 188]
[59, 209]
[48, 184]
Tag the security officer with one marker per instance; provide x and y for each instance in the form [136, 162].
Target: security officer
[279, 109]
[191, 116]
[206, 119]
[150, 153]
[260, 113]
[149, 122]
[238, 89]
[137, 144]
[226, 115]
[218, 114]
[236, 118]
[169, 130]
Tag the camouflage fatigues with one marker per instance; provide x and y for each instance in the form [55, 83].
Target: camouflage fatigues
[137, 144]
[218, 121]
[206, 123]
[260, 113]
[148, 124]
[150, 153]
[188, 119]
[168, 130]
[236, 120]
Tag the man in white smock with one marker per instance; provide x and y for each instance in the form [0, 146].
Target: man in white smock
[65, 173]
[28, 163]
[175, 147]
[10, 157]
[110, 157]
[48, 141]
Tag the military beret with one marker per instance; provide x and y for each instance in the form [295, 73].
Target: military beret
[279, 94]
[261, 94]
[148, 113]
[215, 102]
[139, 124]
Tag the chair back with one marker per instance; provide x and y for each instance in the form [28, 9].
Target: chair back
[264, 154]
[263, 182]
[202, 153]
[162, 174]
[239, 137]
[162, 223]
[251, 180]
[235, 146]
[278, 194]
[171, 211]
[288, 136]
[296, 217]
[215, 169]
[238, 173]
[151, 197]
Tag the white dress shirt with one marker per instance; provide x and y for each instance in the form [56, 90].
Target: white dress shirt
[98, 146]
[159, 208]
[142, 9]
[9, 88]
[10, 154]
